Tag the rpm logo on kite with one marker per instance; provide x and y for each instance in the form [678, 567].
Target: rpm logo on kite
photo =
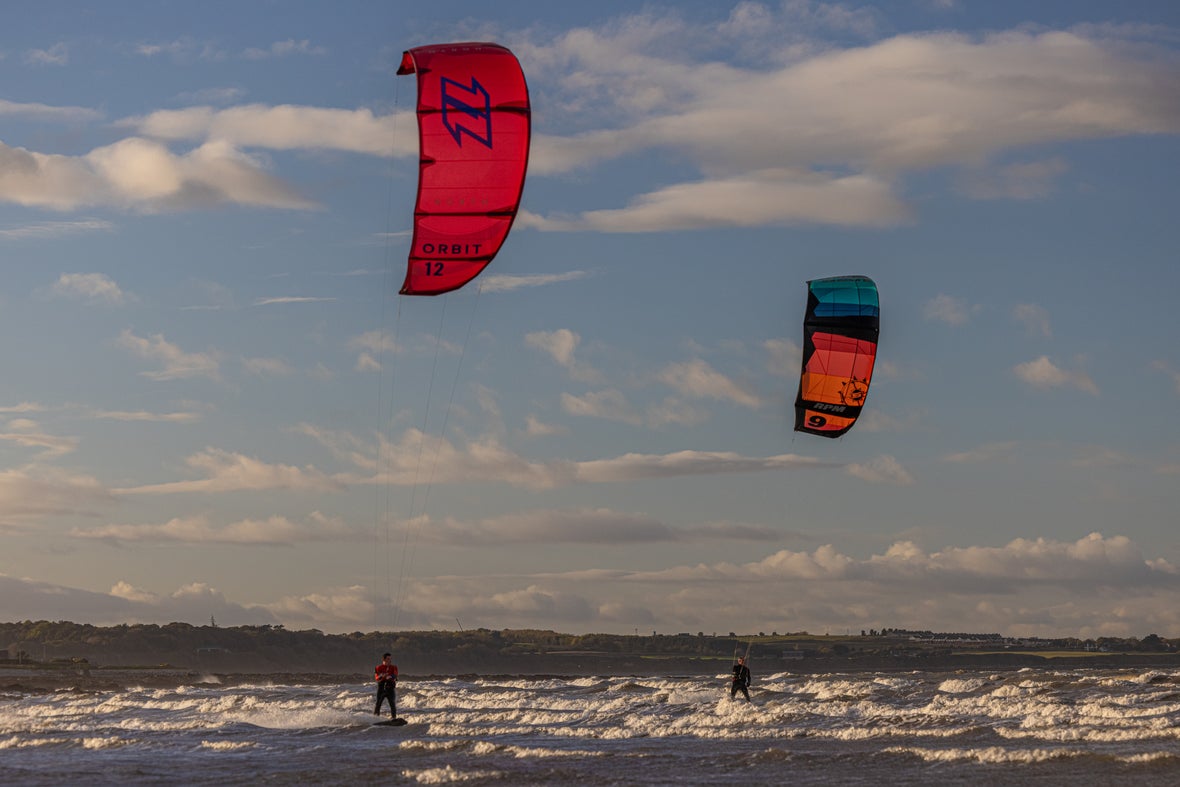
[467, 110]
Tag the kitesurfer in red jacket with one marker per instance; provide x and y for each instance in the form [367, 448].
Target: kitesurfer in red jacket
[386, 677]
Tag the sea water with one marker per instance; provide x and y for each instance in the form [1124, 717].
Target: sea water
[1030, 726]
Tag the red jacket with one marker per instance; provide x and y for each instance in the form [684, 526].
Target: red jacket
[386, 672]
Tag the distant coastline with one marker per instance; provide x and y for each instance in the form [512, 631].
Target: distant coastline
[44, 678]
[45, 655]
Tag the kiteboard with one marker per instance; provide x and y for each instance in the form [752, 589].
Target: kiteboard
[398, 722]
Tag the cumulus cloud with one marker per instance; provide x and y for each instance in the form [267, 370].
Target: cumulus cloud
[698, 379]
[1094, 586]
[882, 470]
[175, 363]
[56, 55]
[948, 309]
[96, 287]
[140, 174]
[507, 283]
[31, 493]
[560, 346]
[146, 416]
[48, 112]
[609, 404]
[785, 357]
[834, 128]
[49, 446]
[284, 49]
[535, 427]
[225, 471]
[1043, 373]
[272, 531]
[284, 127]
[487, 459]
[581, 526]
[25, 599]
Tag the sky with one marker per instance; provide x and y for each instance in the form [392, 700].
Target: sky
[215, 406]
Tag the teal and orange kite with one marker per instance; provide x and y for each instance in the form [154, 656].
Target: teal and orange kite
[839, 348]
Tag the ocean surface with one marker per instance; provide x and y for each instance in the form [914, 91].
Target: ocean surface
[1030, 726]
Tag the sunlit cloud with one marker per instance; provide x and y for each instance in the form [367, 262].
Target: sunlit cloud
[272, 531]
[698, 379]
[560, 345]
[1044, 374]
[95, 287]
[581, 525]
[506, 283]
[948, 309]
[176, 364]
[226, 471]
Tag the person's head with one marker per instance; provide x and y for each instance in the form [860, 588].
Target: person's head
[741, 659]
[386, 656]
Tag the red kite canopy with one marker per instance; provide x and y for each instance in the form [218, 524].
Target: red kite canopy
[473, 135]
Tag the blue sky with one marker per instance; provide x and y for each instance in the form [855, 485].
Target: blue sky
[215, 404]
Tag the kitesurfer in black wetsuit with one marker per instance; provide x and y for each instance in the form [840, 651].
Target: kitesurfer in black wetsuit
[741, 679]
[386, 676]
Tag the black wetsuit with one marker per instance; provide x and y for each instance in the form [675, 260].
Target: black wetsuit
[741, 680]
[386, 675]
[387, 689]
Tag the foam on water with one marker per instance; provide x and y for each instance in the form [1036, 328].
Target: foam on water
[549, 730]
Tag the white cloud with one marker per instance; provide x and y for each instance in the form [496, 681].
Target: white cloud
[56, 55]
[22, 599]
[560, 345]
[285, 299]
[1043, 373]
[91, 286]
[140, 174]
[31, 493]
[750, 200]
[785, 357]
[833, 129]
[535, 427]
[284, 49]
[609, 404]
[506, 283]
[698, 379]
[1093, 586]
[272, 531]
[284, 127]
[49, 446]
[582, 526]
[47, 112]
[144, 415]
[226, 471]
[882, 470]
[176, 363]
[487, 459]
[948, 309]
